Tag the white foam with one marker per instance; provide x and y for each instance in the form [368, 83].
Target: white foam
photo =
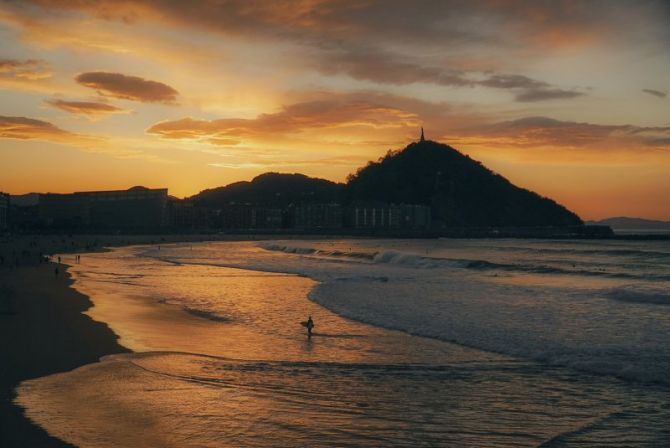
[571, 323]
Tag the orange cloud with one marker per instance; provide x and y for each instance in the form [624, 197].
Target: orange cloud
[444, 22]
[28, 69]
[90, 109]
[543, 131]
[23, 128]
[293, 119]
[353, 38]
[117, 85]
[26, 74]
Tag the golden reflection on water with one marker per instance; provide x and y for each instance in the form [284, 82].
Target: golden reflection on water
[251, 315]
[245, 374]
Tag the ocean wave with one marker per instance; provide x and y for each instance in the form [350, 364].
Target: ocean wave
[567, 325]
[415, 261]
[301, 250]
[501, 320]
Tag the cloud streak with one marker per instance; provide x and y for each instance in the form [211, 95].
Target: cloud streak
[134, 88]
[92, 110]
[543, 133]
[291, 120]
[339, 37]
[24, 128]
[380, 66]
[27, 69]
[656, 93]
[508, 23]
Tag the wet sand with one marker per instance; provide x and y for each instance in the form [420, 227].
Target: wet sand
[42, 326]
[43, 331]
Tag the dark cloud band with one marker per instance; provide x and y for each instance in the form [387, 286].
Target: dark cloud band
[127, 87]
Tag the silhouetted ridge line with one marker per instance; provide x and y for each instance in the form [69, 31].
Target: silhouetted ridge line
[460, 190]
[275, 189]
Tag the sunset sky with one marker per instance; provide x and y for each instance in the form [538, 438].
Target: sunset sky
[568, 98]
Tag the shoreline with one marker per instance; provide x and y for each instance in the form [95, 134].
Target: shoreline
[44, 331]
[42, 322]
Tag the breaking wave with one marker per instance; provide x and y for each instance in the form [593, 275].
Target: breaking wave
[410, 260]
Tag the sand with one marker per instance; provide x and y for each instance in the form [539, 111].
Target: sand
[43, 331]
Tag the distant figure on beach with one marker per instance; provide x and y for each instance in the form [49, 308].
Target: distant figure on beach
[58, 260]
[309, 324]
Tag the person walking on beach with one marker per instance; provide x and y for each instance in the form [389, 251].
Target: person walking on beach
[309, 325]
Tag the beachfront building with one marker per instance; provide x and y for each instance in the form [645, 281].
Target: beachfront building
[4, 211]
[64, 210]
[389, 216]
[316, 216]
[415, 216]
[135, 208]
[374, 216]
[248, 216]
[186, 215]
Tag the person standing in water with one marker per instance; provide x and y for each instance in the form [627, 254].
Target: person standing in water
[309, 325]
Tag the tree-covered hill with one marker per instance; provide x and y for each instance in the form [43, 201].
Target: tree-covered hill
[460, 190]
[271, 189]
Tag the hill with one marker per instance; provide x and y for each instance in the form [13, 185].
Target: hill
[24, 200]
[273, 189]
[460, 190]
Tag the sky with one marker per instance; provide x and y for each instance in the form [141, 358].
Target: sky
[570, 99]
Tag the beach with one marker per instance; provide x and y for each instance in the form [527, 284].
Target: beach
[43, 332]
[42, 325]
[417, 343]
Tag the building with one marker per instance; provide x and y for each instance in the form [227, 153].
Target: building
[374, 216]
[389, 216]
[69, 211]
[316, 216]
[4, 211]
[136, 208]
[185, 215]
[415, 216]
[247, 216]
[266, 218]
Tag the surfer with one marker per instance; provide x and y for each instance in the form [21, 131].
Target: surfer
[309, 325]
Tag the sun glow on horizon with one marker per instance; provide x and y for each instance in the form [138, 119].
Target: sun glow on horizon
[569, 102]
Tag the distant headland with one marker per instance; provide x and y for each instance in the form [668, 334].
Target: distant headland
[425, 189]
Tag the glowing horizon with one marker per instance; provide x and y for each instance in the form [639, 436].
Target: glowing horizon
[568, 99]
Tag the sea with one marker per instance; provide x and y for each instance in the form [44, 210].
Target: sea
[442, 342]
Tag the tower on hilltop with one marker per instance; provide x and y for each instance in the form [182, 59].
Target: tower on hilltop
[422, 139]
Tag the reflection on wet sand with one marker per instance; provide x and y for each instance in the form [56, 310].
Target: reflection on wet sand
[223, 361]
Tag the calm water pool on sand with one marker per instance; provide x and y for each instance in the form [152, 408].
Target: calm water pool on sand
[418, 343]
